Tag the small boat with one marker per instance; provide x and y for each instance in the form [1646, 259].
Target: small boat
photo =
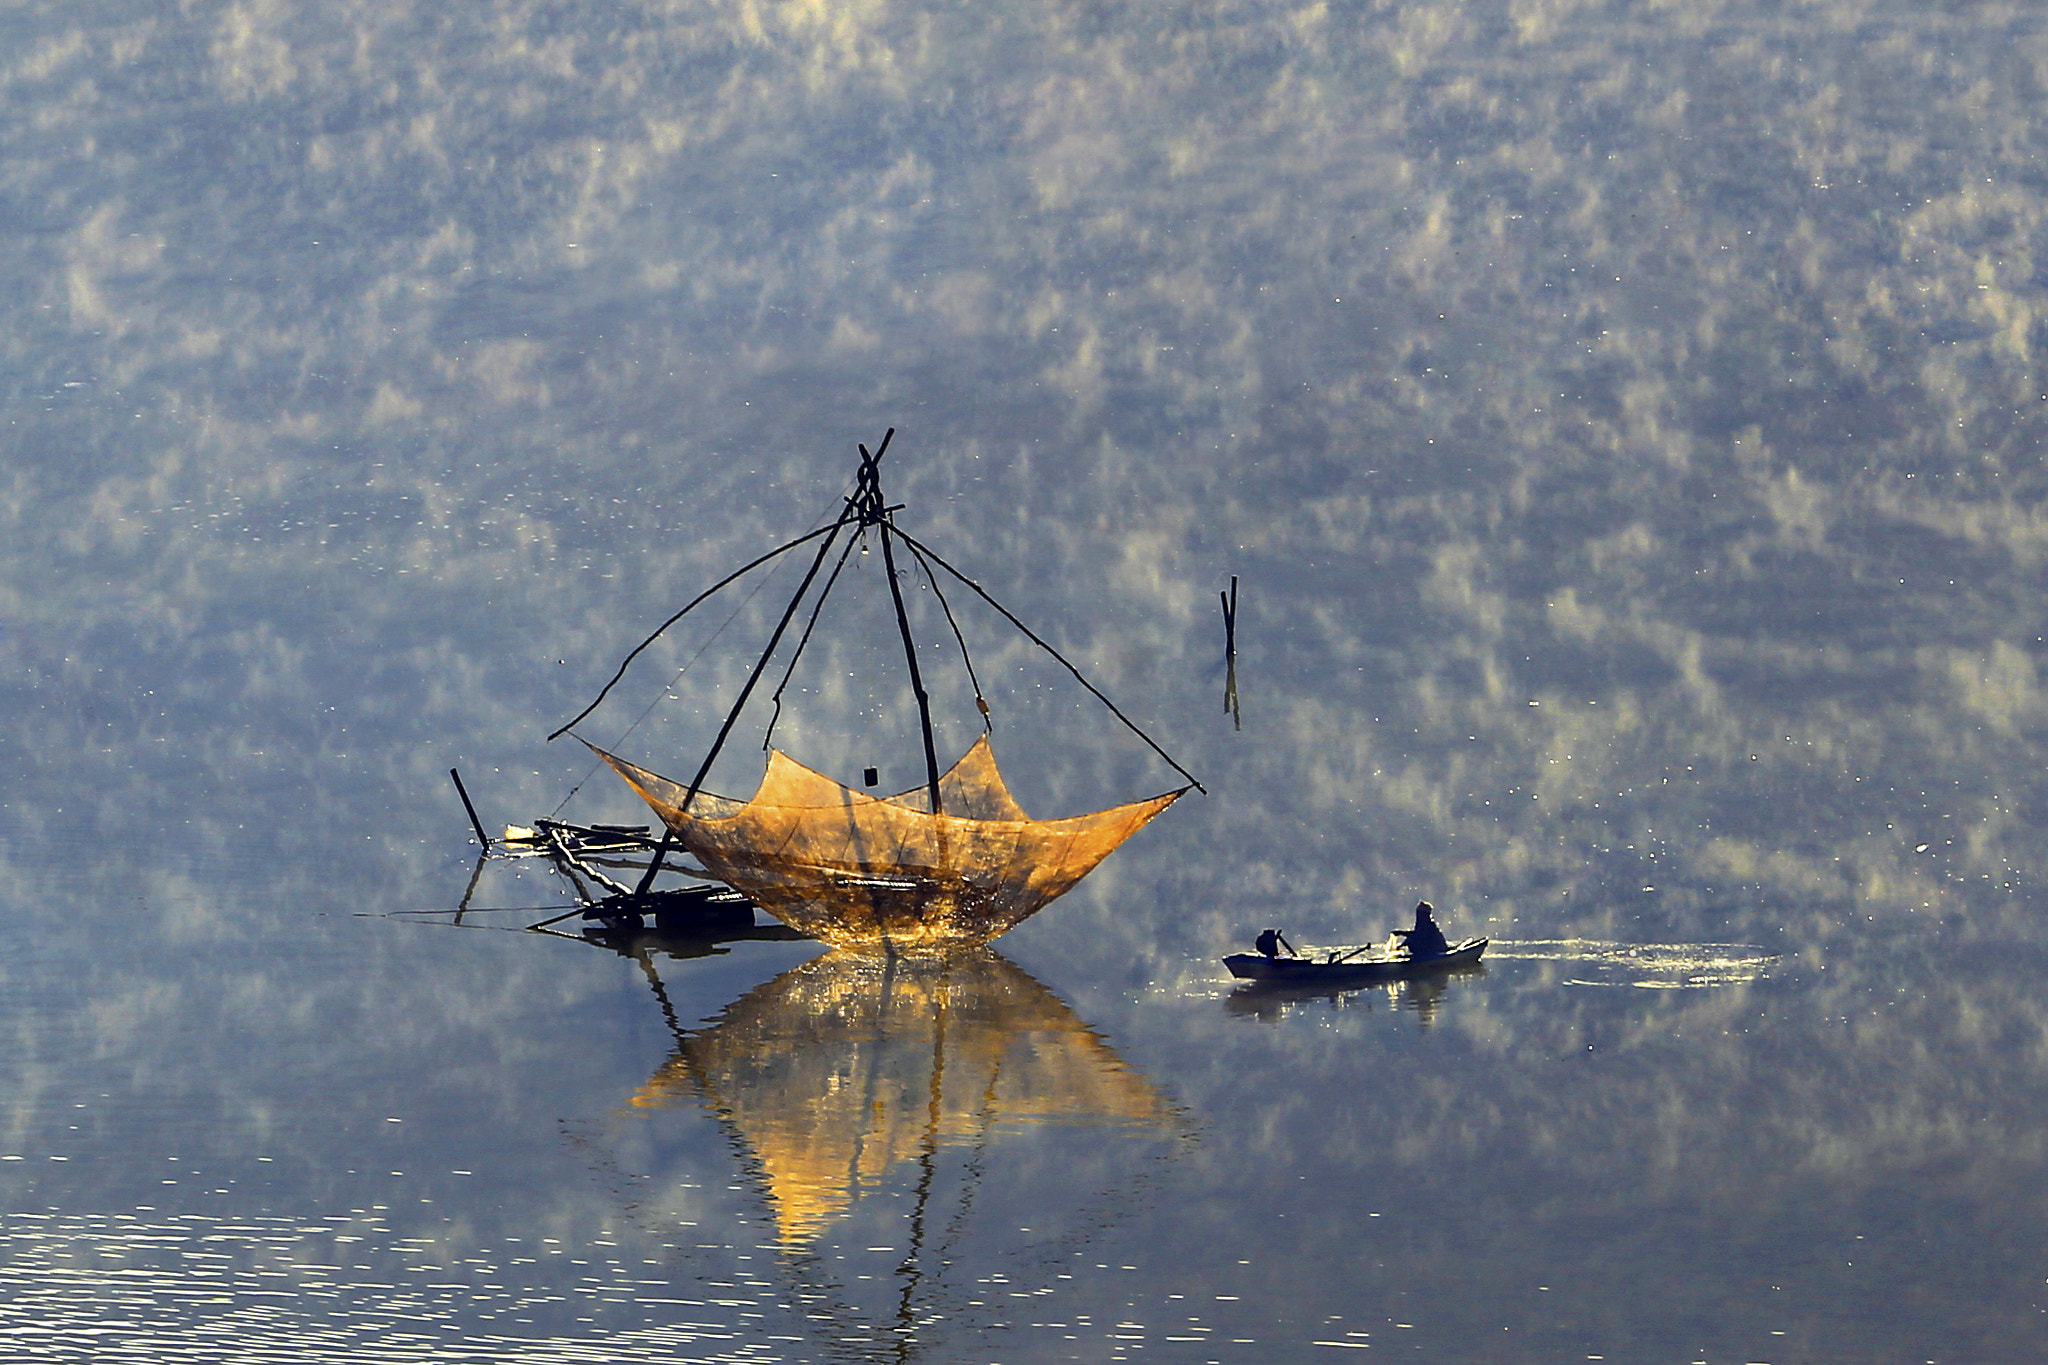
[1350, 971]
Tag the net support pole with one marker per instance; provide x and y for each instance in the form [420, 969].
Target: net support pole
[924, 701]
[482, 838]
[1230, 619]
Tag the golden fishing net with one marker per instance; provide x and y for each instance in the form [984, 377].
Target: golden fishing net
[863, 871]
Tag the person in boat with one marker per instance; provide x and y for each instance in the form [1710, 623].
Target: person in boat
[1425, 939]
[1271, 942]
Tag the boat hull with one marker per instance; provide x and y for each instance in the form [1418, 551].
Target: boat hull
[1301, 971]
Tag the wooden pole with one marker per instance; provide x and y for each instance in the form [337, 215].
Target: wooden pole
[857, 509]
[1230, 619]
[924, 702]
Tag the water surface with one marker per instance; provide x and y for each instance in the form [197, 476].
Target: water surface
[1623, 421]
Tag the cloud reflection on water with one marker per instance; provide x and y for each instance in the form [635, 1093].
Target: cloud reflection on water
[1645, 500]
[1625, 422]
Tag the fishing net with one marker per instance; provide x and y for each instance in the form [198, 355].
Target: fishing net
[871, 872]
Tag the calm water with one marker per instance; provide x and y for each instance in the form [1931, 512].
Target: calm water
[1624, 423]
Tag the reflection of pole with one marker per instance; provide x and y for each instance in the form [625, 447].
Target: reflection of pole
[975, 1166]
[654, 982]
[814, 1141]
[476, 876]
[806, 1268]
[927, 1172]
[871, 1102]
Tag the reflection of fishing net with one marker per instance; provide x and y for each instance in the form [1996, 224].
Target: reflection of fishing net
[865, 871]
[848, 1069]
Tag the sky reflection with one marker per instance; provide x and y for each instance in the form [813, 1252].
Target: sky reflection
[1689, 403]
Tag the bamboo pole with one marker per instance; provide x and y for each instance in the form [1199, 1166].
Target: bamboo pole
[924, 701]
[474, 823]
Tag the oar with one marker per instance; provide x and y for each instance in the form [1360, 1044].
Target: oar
[465, 910]
[1353, 953]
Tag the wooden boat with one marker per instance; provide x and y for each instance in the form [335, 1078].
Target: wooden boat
[1356, 971]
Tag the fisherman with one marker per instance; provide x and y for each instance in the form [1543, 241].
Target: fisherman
[1271, 942]
[1425, 939]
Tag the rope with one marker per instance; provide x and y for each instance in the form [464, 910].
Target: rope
[1033, 636]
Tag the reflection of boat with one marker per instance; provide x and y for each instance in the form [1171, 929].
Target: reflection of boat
[952, 860]
[848, 1073]
[695, 939]
[1302, 971]
[1420, 995]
